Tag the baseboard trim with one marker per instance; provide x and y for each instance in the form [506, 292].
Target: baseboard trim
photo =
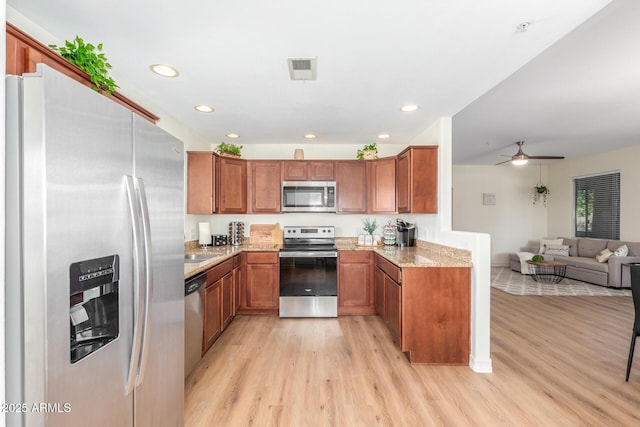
[480, 366]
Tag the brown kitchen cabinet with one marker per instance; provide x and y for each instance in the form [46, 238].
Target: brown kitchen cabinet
[264, 186]
[417, 180]
[261, 277]
[308, 170]
[227, 299]
[218, 302]
[427, 310]
[201, 182]
[382, 186]
[232, 186]
[378, 289]
[212, 314]
[355, 284]
[23, 52]
[237, 284]
[392, 308]
[351, 186]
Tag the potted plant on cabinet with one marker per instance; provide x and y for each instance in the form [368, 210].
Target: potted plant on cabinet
[87, 57]
[229, 150]
[368, 152]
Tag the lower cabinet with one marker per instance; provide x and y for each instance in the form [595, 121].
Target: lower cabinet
[261, 277]
[219, 300]
[237, 284]
[355, 284]
[392, 308]
[227, 299]
[212, 314]
[427, 310]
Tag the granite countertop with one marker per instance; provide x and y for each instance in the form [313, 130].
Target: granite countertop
[424, 254]
[218, 255]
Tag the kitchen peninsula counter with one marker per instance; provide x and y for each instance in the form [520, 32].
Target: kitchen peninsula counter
[424, 254]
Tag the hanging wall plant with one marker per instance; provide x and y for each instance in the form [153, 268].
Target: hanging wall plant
[87, 57]
[540, 191]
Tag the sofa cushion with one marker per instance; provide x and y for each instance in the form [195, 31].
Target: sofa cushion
[583, 262]
[545, 243]
[634, 247]
[621, 251]
[556, 250]
[573, 245]
[590, 247]
[604, 255]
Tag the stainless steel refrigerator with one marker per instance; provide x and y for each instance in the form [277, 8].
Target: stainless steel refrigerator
[94, 299]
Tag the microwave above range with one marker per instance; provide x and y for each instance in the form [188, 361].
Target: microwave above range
[308, 196]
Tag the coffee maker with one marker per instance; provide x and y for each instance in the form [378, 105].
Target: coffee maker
[405, 233]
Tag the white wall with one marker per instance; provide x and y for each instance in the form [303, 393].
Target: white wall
[626, 160]
[514, 222]
[3, 55]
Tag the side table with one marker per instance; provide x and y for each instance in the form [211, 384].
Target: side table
[548, 271]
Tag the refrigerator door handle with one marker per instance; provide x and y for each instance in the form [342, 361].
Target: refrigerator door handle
[148, 277]
[138, 277]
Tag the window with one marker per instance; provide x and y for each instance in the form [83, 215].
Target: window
[597, 206]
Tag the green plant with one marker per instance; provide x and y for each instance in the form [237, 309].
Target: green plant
[540, 191]
[369, 225]
[371, 147]
[537, 258]
[229, 148]
[86, 56]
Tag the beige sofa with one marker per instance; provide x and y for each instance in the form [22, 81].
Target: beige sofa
[582, 264]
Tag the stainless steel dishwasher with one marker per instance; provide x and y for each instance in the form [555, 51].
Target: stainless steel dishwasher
[193, 320]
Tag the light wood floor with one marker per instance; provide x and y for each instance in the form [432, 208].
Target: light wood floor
[557, 361]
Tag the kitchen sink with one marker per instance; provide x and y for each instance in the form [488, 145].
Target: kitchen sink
[198, 257]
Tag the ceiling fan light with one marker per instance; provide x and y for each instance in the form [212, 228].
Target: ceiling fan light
[519, 160]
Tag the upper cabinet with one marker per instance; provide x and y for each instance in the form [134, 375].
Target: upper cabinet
[232, 186]
[382, 185]
[215, 184]
[307, 170]
[201, 182]
[417, 180]
[24, 52]
[264, 186]
[351, 186]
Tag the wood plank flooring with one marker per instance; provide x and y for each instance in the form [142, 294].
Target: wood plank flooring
[557, 361]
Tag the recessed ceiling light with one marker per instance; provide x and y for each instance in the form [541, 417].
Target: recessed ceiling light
[309, 136]
[204, 108]
[383, 136]
[164, 70]
[409, 108]
[233, 135]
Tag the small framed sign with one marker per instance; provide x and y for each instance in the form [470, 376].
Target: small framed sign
[489, 199]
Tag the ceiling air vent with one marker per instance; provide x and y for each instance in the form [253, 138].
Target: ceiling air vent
[302, 68]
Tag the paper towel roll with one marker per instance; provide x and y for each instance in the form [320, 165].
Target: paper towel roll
[204, 233]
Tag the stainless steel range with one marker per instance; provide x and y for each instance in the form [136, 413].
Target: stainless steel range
[308, 272]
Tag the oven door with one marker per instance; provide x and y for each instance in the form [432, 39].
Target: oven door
[308, 284]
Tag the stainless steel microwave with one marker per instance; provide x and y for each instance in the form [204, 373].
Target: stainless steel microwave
[308, 196]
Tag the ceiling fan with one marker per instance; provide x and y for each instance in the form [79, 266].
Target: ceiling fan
[520, 158]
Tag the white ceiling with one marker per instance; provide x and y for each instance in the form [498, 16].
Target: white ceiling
[373, 57]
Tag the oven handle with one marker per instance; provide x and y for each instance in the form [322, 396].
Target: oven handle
[309, 254]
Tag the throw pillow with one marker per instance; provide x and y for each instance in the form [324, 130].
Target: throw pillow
[543, 243]
[604, 255]
[621, 251]
[557, 250]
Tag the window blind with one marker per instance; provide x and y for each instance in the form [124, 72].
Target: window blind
[597, 206]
